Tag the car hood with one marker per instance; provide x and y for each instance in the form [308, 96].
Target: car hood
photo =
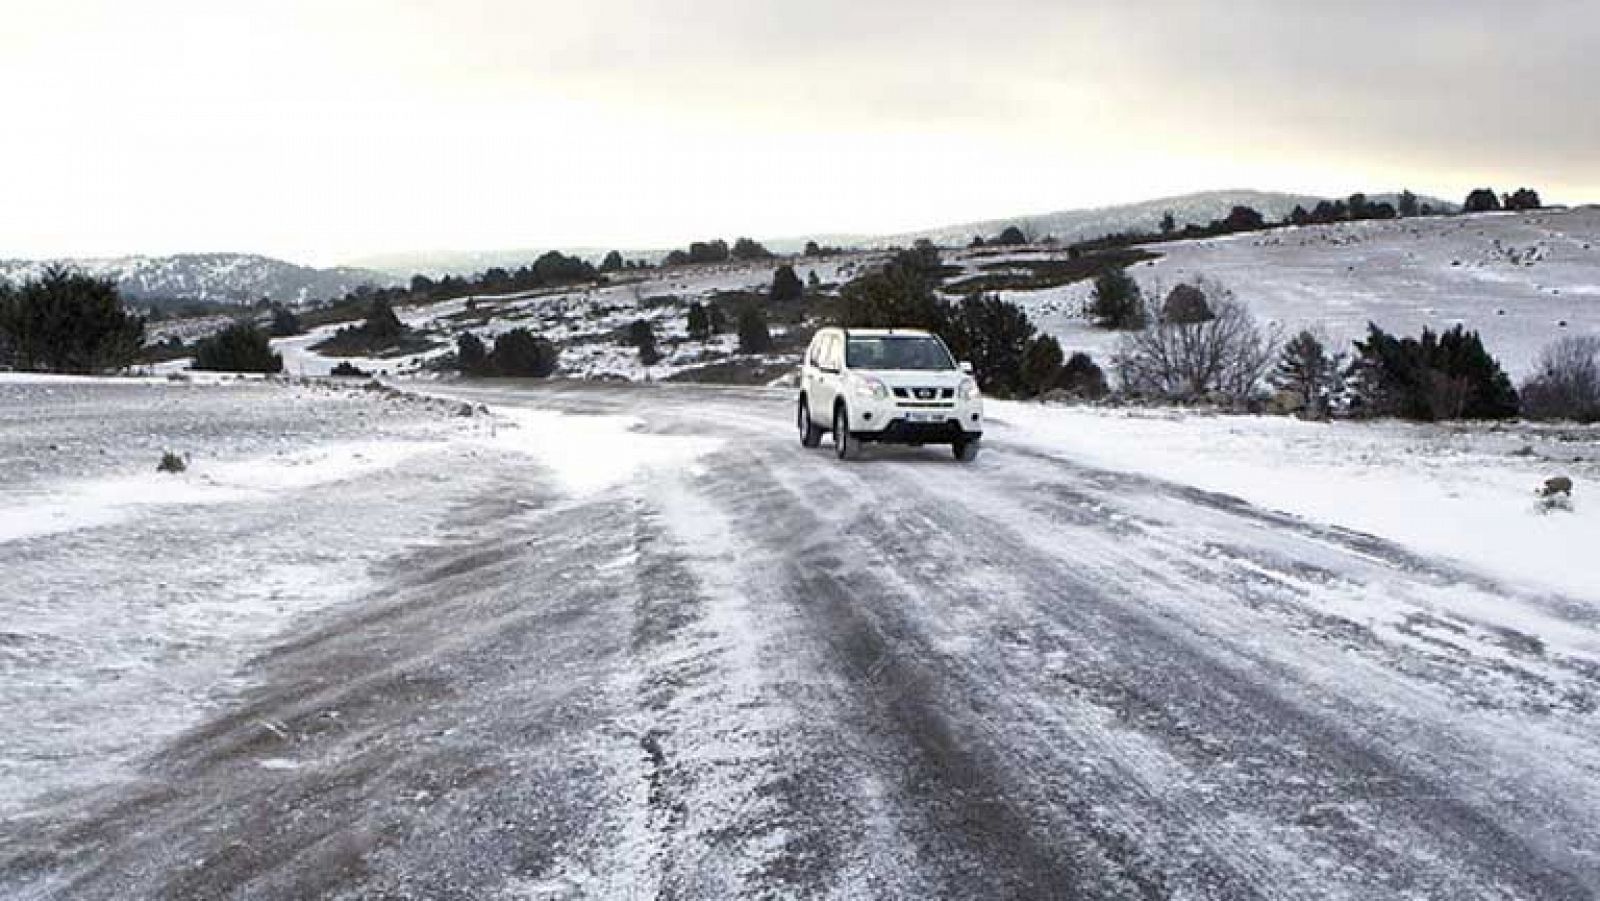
[916, 378]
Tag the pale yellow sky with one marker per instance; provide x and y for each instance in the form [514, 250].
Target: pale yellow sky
[324, 131]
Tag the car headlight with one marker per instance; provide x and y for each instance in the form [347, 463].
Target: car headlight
[968, 389]
[867, 386]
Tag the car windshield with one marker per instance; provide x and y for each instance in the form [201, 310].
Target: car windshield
[897, 352]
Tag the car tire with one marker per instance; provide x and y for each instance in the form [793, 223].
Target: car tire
[844, 443]
[966, 449]
[810, 434]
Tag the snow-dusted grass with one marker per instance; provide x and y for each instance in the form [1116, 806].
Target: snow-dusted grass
[1466, 493]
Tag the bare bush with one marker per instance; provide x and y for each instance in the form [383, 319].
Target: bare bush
[1222, 359]
[1566, 384]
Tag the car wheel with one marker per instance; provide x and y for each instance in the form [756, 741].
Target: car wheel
[810, 434]
[965, 449]
[844, 443]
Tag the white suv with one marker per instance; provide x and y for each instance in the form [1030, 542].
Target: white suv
[897, 386]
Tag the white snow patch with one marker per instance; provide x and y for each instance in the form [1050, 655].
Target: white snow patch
[74, 505]
[1423, 487]
[591, 453]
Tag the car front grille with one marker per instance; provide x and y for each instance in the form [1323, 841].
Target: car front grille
[925, 393]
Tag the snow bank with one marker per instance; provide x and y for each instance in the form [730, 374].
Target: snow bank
[1457, 494]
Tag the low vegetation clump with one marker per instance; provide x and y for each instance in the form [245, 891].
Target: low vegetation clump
[1566, 382]
[1446, 375]
[171, 463]
[1485, 200]
[165, 351]
[346, 369]
[67, 322]
[518, 353]
[1047, 373]
[241, 347]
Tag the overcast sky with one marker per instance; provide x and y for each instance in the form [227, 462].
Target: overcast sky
[326, 130]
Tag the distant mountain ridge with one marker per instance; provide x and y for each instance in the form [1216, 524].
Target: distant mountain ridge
[1069, 226]
[237, 278]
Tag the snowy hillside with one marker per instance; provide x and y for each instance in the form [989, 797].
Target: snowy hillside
[1069, 226]
[587, 323]
[1522, 279]
[218, 277]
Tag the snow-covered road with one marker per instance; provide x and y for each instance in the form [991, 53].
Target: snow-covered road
[663, 652]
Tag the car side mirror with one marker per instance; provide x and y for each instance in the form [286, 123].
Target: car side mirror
[966, 366]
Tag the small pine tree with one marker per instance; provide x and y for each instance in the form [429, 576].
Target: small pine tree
[382, 326]
[1186, 305]
[786, 285]
[642, 334]
[1117, 301]
[240, 347]
[717, 319]
[1524, 199]
[67, 322]
[1168, 223]
[1011, 236]
[1408, 204]
[521, 353]
[1041, 365]
[699, 322]
[284, 323]
[747, 249]
[612, 262]
[1243, 219]
[1483, 200]
[1305, 369]
[813, 281]
[471, 354]
[754, 338]
[1084, 378]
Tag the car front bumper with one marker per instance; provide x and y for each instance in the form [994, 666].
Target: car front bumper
[899, 423]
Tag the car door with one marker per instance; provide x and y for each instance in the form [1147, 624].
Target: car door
[826, 382]
[811, 374]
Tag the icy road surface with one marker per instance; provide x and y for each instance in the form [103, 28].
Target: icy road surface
[663, 652]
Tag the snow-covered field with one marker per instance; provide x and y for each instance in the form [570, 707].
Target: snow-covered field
[1522, 279]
